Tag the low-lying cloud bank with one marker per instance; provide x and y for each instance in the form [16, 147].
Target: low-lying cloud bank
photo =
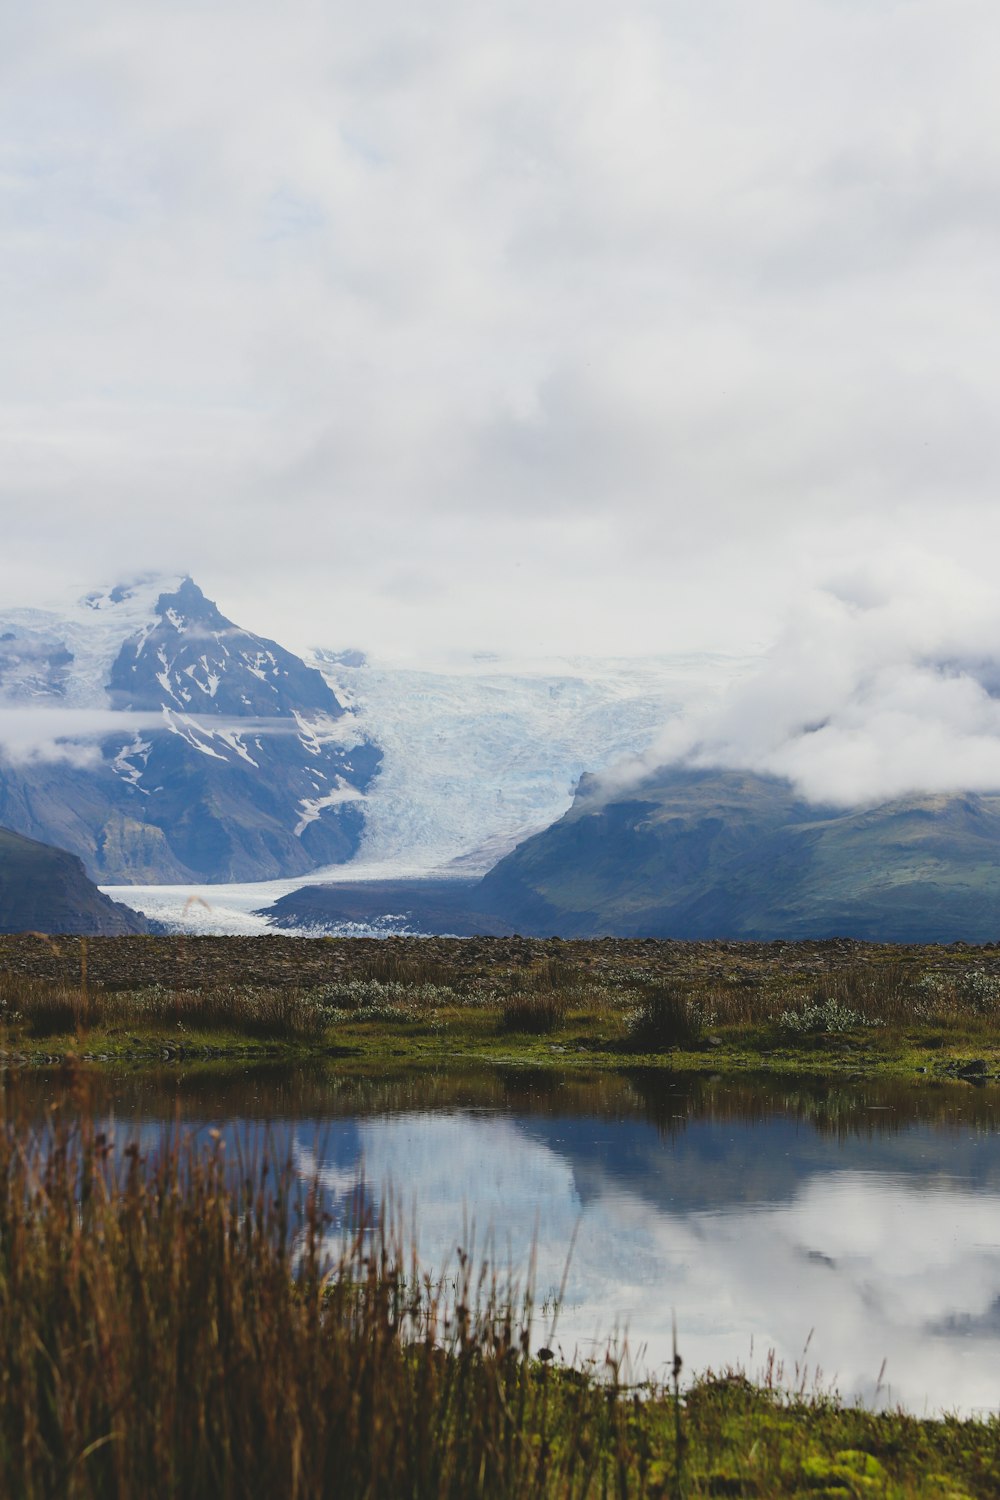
[878, 687]
[75, 736]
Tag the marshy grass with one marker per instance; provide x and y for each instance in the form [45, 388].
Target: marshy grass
[175, 1326]
[41, 1009]
[683, 1002]
[181, 1324]
[533, 1014]
[890, 1000]
[667, 1017]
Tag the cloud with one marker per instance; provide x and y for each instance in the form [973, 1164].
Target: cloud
[885, 683]
[572, 327]
[71, 736]
[74, 736]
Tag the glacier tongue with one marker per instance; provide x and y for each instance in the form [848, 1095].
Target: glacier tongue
[479, 755]
[475, 757]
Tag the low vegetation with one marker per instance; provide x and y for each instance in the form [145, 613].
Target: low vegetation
[836, 1007]
[179, 1324]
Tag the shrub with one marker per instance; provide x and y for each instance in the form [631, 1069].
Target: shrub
[981, 992]
[666, 1018]
[534, 1013]
[824, 1016]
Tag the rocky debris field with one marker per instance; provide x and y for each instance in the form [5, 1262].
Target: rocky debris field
[194, 963]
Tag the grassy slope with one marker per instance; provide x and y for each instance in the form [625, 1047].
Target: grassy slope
[701, 853]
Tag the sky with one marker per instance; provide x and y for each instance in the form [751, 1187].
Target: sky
[561, 328]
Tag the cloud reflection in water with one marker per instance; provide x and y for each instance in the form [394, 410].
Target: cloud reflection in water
[876, 1264]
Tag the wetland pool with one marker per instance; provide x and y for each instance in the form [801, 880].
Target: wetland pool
[851, 1229]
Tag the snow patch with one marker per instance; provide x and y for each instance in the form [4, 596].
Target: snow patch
[318, 730]
[313, 806]
[124, 762]
[190, 731]
[234, 740]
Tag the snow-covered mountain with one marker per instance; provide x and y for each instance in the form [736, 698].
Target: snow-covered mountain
[477, 754]
[147, 733]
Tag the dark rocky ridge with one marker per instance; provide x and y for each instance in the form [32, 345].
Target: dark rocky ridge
[46, 890]
[191, 963]
[412, 906]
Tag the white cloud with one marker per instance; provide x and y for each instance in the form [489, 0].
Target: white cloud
[71, 735]
[885, 683]
[573, 327]
[30, 734]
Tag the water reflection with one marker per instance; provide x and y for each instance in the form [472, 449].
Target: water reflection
[760, 1212]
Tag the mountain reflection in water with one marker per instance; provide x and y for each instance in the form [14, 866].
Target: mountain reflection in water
[866, 1215]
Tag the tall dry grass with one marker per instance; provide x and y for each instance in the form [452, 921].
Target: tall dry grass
[894, 997]
[646, 1012]
[174, 1326]
[44, 1009]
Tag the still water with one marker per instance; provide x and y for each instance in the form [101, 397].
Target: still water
[853, 1231]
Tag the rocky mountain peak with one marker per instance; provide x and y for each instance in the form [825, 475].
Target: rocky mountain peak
[186, 607]
[191, 659]
[226, 756]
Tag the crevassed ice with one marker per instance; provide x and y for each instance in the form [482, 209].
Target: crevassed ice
[475, 760]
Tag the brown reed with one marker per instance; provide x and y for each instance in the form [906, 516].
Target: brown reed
[176, 1325]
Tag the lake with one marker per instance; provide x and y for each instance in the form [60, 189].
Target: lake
[851, 1231]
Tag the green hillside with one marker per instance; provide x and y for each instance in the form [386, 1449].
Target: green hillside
[710, 853]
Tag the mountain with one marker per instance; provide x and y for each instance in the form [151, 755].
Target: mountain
[234, 759]
[46, 890]
[480, 751]
[442, 768]
[714, 853]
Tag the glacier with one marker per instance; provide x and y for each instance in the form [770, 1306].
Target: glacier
[477, 755]
[477, 751]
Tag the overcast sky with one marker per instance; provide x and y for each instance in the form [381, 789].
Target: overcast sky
[559, 326]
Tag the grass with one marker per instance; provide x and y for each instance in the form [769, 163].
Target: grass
[43, 1010]
[665, 1018]
[534, 1014]
[179, 1324]
[727, 1006]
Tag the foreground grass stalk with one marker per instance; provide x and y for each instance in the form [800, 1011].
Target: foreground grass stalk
[174, 1325]
[169, 1329]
